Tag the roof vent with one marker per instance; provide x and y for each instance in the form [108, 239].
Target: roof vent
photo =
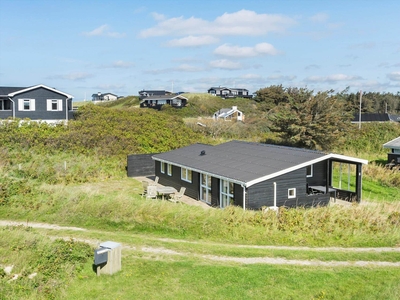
[203, 152]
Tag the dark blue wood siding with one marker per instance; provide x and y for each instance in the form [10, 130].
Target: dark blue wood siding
[319, 174]
[192, 188]
[262, 194]
[40, 113]
[140, 165]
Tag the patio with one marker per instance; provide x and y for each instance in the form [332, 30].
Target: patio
[185, 199]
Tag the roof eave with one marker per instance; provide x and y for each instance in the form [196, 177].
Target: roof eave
[39, 86]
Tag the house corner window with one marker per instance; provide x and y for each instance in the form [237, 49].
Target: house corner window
[162, 168]
[169, 169]
[292, 193]
[54, 105]
[310, 171]
[186, 175]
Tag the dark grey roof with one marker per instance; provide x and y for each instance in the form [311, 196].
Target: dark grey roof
[154, 92]
[393, 144]
[5, 90]
[239, 161]
[163, 97]
[376, 117]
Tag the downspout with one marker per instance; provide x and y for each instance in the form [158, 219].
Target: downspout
[244, 197]
[13, 110]
[66, 109]
[274, 194]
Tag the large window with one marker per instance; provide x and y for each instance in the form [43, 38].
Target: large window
[186, 174]
[169, 169]
[5, 104]
[162, 167]
[227, 194]
[26, 104]
[205, 188]
[54, 105]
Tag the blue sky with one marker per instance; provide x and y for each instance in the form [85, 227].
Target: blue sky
[121, 46]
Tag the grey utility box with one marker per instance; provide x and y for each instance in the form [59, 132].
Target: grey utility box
[107, 259]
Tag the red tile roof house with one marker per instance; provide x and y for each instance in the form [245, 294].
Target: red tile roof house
[37, 102]
[255, 175]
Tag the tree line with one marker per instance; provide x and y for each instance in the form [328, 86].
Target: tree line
[311, 120]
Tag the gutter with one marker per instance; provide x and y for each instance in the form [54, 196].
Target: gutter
[13, 110]
[244, 196]
[66, 108]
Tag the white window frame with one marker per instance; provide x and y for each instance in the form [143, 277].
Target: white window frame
[229, 194]
[291, 193]
[169, 169]
[311, 169]
[205, 187]
[162, 167]
[21, 104]
[186, 175]
[50, 103]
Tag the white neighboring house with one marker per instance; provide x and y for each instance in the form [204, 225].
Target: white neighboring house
[104, 97]
[229, 114]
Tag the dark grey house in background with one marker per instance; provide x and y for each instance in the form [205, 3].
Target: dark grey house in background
[37, 102]
[225, 92]
[394, 146]
[147, 93]
[255, 175]
[177, 101]
[375, 117]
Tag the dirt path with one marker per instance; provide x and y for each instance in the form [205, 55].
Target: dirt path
[241, 260]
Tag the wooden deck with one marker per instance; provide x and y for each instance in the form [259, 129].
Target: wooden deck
[185, 199]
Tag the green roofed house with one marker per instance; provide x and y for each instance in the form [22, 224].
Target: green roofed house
[255, 175]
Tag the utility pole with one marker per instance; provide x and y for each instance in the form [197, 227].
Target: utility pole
[359, 117]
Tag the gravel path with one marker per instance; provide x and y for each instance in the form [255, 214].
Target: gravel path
[241, 260]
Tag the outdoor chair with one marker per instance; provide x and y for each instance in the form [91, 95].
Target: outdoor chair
[178, 195]
[151, 191]
[145, 185]
[156, 179]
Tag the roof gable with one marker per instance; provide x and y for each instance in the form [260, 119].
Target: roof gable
[37, 87]
[393, 144]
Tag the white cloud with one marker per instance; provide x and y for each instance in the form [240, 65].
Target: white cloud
[77, 76]
[225, 64]
[237, 51]
[180, 68]
[251, 76]
[158, 17]
[319, 17]
[243, 22]
[122, 64]
[104, 30]
[193, 41]
[332, 78]
[108, 87]
[188, 68]
[281, 77]
[394, 76]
